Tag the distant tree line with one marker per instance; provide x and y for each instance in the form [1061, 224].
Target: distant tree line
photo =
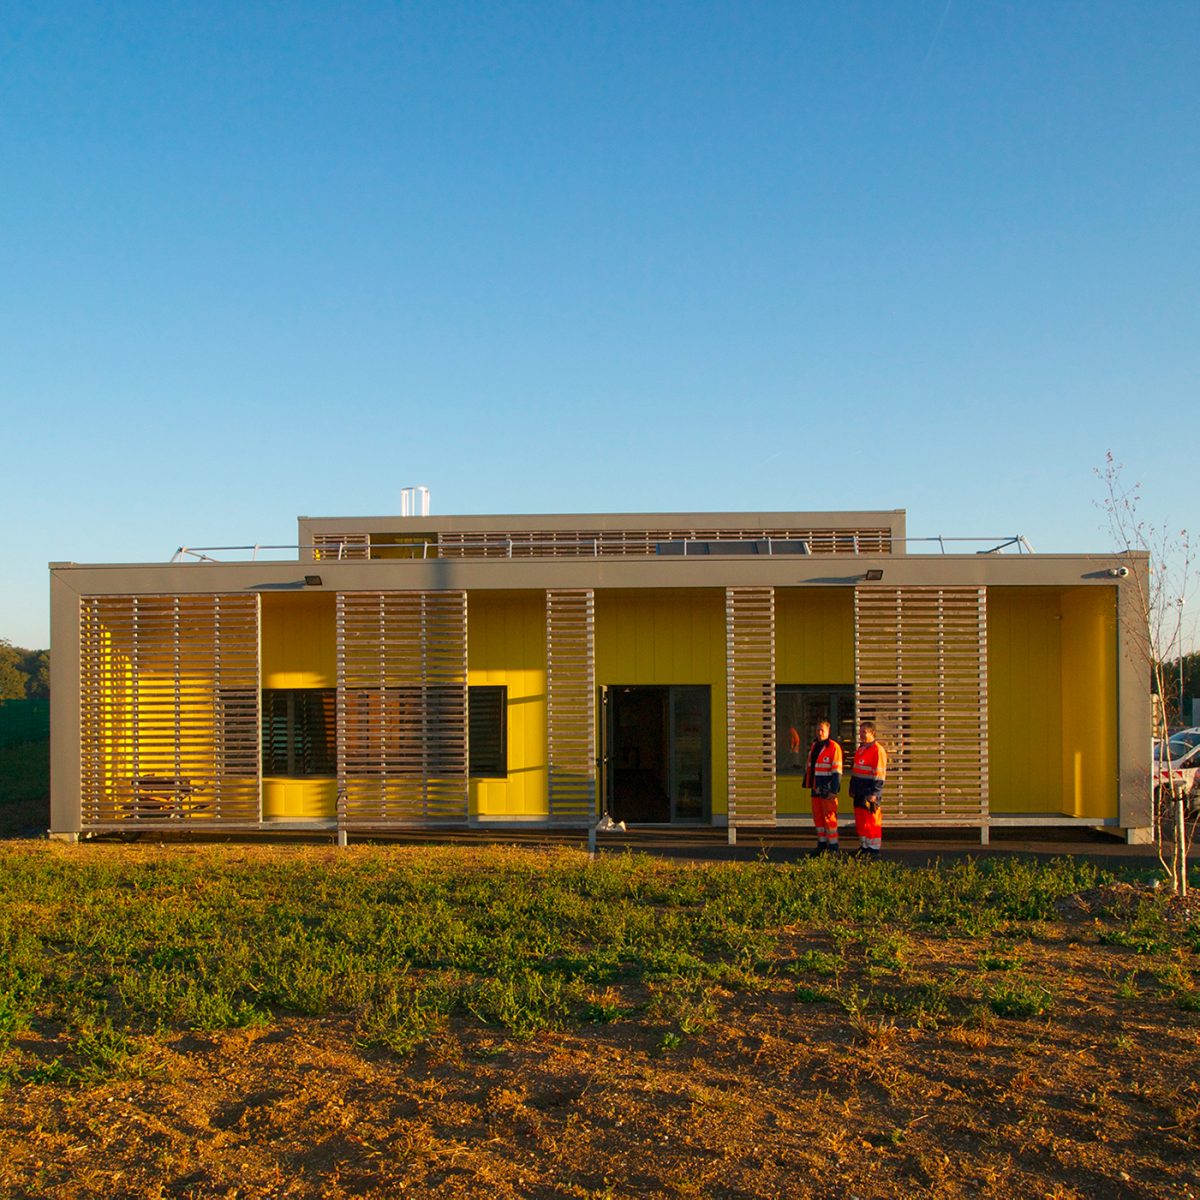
[24, 674]
[1190, 665]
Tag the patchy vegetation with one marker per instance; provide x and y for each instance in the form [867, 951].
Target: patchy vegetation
[24, 789]
[252, 1021]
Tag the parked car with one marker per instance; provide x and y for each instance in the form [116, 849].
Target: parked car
[1180, 759]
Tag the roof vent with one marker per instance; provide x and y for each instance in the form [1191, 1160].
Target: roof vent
[411, 498]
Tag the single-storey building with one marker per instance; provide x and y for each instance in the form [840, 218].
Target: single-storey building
[669, 669]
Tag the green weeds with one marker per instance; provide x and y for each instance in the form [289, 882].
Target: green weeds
[1128, 988]
[819, 962]
[1140, 941]
[813, 995]
[603, 1008]
[1017, 997]
[691, 1010]
[1000, 957]
[926, 1002]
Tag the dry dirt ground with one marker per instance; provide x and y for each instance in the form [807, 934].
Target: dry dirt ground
[775, 1092]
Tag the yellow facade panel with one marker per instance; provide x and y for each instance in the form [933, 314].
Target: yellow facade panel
[1052, 686]
[506, 646]
[299, 799]
[299, 640]
[814, 635]
[1025, 700]
[1089, 725]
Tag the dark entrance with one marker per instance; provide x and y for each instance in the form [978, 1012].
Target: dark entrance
[658, 754]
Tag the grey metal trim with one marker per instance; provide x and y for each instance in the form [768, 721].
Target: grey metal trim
[1134, 721]
[538, 575]
[66, 815]
[1032, 820]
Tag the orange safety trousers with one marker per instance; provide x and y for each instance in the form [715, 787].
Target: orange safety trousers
[869, 827]
[825, 818]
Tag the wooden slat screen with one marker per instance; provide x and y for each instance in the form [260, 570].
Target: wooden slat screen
[402, 708]
[637, 543]
[341, 545]
[750, 704]
[921, 675]
[169, 709]
[571, 704]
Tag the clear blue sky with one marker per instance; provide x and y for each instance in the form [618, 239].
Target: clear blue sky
[259, 260]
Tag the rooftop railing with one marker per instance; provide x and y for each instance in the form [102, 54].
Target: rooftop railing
[357, 547]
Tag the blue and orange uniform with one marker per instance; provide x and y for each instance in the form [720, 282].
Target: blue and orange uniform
[824, 777]
[867, 773]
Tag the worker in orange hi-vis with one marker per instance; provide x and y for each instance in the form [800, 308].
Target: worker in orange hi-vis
[824, 776]
[867, 773]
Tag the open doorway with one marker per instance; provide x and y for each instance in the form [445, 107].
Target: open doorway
[658, 754]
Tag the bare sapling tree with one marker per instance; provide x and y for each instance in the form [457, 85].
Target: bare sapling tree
[1153, 637]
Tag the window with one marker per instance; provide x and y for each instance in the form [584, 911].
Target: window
[299, 731]
[1179, 744]
[798, 708]
[405, 731]
[488, 713]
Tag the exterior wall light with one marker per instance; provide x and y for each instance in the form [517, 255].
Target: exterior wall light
[312, 581]
[874, 575]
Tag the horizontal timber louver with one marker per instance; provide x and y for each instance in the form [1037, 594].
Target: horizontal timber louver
[402, 708]
[169, 720]
[921, 675]
[341, 545]
[750, 704]
[637, 543]
[571, 704]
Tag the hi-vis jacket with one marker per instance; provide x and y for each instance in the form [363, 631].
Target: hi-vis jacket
[868, 771]
[824, 773]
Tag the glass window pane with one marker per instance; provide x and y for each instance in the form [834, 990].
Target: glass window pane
[798, 709]
[690, 724]
[299, 731]
[488, 717]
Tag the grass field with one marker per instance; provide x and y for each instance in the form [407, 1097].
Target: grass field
[254, 1021]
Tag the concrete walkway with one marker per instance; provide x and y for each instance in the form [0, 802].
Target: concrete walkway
[913, 847]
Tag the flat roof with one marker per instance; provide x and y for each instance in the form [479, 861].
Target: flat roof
[522, 574]
[888, 518]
